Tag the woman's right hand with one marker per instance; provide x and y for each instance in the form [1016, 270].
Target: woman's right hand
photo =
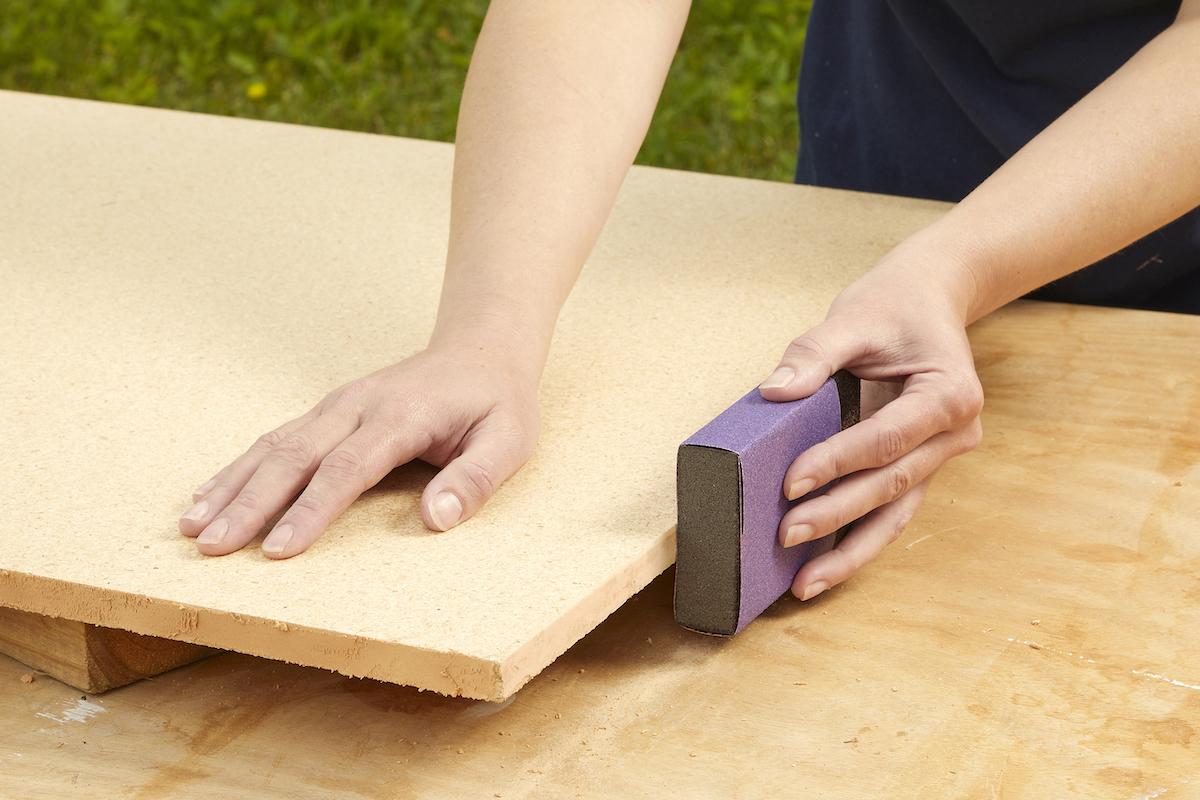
[462, 409]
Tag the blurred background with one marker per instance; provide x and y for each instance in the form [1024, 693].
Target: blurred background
[395, 68]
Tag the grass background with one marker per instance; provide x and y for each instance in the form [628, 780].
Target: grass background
[395, 67]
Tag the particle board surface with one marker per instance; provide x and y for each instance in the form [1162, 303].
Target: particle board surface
[176, 285]
[1034, 634]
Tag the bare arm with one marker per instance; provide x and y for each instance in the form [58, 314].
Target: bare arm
[556, 103]
[1121, 163]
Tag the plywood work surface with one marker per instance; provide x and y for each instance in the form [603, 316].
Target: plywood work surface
[175, 285]
[1034, 635]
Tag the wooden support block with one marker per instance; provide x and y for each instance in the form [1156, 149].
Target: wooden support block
[90, 658]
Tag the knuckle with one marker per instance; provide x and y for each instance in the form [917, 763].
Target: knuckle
[481, 480]
[825, 460]
[518, 437]
[248, 499]
[897, 526]
[904, 516]
[807, 347]
[351, 395]
[307, 507]
[296, 451]
[268, 441]
[972, 436]
[896, 516]
[890, 444]
[831, 512]
[966, 401]
[248, 506]
[897, 482]
[344, 466]
[847, 564]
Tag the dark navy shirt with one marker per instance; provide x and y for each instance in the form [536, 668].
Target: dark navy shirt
[926, 98]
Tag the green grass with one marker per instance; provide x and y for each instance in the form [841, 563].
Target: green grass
[729, 105]
[394, 67]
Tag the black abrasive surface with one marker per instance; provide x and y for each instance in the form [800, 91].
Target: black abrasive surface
[708, 574]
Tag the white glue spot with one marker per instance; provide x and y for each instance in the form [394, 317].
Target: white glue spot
[1165, 680]
[1151, 795]
[75, 711]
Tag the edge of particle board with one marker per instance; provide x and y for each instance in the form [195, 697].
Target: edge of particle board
[453, 674]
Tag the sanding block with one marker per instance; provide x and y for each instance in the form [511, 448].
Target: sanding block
[729, 565]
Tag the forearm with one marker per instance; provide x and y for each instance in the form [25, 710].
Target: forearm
[1121, 163]
[557, 101]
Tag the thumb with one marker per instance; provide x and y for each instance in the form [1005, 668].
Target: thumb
[469, 481]
[808, 362]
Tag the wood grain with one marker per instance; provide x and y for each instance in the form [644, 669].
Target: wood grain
[90, 658]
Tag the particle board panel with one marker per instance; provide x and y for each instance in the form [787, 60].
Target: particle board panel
[176, 285]
[1034, 634]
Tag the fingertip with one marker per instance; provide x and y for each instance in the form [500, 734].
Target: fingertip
[787, 383]
[815, 577]
[812, 590]
[213, 540]
[444, 511]
[800, 487]
[798, 534]
[825, 571]
[192, 522]
[279, 542]
[215, 533]
[222, 537]
[781, 378]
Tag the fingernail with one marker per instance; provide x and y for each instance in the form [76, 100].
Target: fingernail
[278, 539]
[814, 589]
[445, 510]
[779, 378]
[801, 488]
[215, 532]
[798, 533]
[205, 489]
[197, 512]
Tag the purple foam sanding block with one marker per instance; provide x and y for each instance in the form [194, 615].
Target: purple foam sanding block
[729, 565]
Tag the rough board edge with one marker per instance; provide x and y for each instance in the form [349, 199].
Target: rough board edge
[452, 674]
